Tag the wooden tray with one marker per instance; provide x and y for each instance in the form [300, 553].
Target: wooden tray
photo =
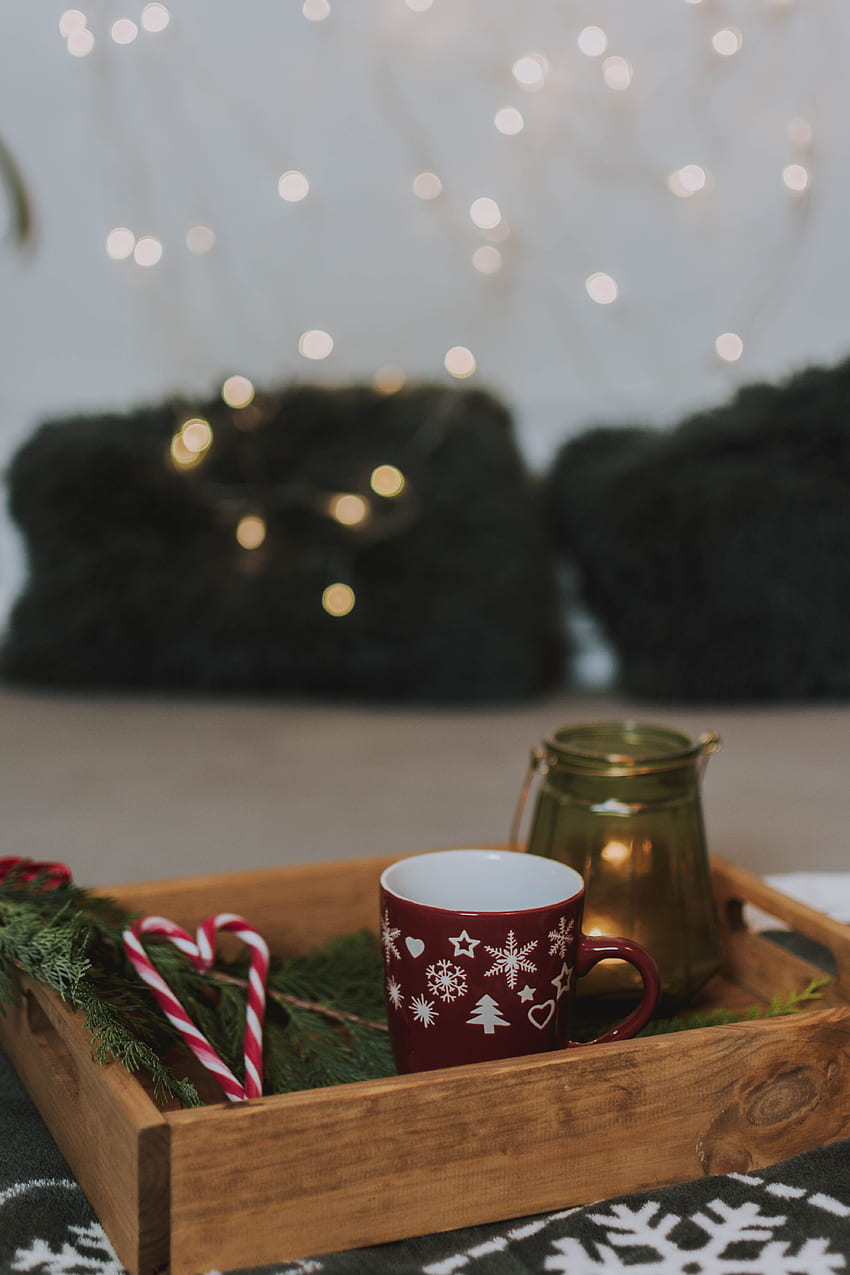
[300, 1174]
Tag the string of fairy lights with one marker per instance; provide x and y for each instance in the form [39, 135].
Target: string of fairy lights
[190, 445]
[528, 73]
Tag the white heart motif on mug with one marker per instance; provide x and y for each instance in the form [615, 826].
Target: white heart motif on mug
[414, 946]
[540, 1015]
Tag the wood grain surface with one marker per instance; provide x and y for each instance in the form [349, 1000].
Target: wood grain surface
[296, 1175]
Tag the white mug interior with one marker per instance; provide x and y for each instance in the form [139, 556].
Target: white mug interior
[482, 881]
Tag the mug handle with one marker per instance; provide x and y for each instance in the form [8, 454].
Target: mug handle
[591, 951]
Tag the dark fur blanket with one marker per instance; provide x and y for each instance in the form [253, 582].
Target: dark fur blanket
[717, 555]
[137, 579]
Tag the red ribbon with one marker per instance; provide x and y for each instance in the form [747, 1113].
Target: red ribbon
[27, 870]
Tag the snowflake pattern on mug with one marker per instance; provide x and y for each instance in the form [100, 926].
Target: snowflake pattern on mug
[389, 935]
[423, 1011]
[510, 959]
[394, 993]
[559, 940]
[446, 980]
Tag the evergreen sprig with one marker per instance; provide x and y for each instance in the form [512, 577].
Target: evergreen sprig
[777, 1008]
[70, 940]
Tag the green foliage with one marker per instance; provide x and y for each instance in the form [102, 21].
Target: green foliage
[70, 939]
[50, 949]
[779, 1006]
[344, 975]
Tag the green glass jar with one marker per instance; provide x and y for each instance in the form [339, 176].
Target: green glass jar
[620, 803]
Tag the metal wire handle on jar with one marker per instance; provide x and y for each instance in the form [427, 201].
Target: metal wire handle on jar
[538, 765]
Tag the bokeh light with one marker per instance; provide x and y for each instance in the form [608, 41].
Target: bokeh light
[687, 181]
[155, 17]
[795, 177]
[427, 186]
[487, 259]
[70, 21]
[293, 186]
[530, 71]
[80, 43]
[617, 73]
[601, 288]
[120, 243]
[349, 509]
[729, 347]
[338, 599]
[315, 344]
[592, 41]
[727, 41]
[389, 379]
[460, 362]
[200, 239]
[237, 391]
[485, 213]
[124, 31]
[148, 251]
[387, 480]
[509, 120]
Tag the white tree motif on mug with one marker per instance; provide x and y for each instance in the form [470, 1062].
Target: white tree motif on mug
[488, 1015]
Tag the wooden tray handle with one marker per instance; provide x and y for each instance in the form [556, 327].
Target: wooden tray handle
[734, 887]
[44, 1036]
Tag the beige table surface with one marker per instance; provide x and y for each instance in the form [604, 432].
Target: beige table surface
[128, 789]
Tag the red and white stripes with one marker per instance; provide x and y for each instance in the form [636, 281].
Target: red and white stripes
[201, 952]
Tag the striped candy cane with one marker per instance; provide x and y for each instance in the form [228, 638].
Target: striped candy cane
[201, 952]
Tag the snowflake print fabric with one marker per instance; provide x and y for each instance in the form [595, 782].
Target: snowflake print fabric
[446, 980]
[87, 1248]
[511, 959]
[642, 1241]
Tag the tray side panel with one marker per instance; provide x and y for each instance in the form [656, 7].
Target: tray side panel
[292, 1177]
[761, 966]
[294, 908]
[112, 1136]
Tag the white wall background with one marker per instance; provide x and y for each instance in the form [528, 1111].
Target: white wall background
[193, 125]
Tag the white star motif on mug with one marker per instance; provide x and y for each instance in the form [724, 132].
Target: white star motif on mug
[464, 945]
[527, 993]
[562, 981]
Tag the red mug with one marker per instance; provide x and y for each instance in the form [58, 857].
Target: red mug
[481, 950]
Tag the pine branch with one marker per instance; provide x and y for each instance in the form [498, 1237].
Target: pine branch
[69, 940]
[51, 950]
[338, 1015]
[779, 1006]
